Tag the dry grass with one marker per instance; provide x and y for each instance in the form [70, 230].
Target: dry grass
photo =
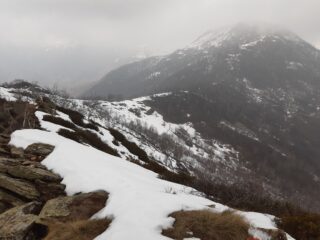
[207, 225]
[80, 230]
[303, 227]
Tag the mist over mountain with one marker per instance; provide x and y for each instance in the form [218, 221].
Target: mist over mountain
[265, 56]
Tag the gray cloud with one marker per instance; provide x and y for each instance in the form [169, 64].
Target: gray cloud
[69, 40]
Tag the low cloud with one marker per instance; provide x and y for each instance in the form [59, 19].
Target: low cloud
[86, 38]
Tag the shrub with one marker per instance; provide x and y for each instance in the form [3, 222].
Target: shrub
[77, 118]
[208, 225]
[59, 121]
[131, 146]
[85, 136]
[69, 134]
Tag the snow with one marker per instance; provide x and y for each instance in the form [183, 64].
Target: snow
[5, 93]
[255, 93]
[154, 120]
[233, 61]
[139, 203]
[258, 219]
[259, 234]
[154, 75]
[137, 111]
[294, 65]
[251, 44]
[48, 125]
[211, 39]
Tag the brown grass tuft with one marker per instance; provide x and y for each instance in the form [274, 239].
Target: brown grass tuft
[208, 225]
[80, 230]
[303, 227]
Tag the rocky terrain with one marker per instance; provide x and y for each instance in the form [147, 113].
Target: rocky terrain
[33, 201]
[100, 159]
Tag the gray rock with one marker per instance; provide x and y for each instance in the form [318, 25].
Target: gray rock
[16, 152]
[20, 187]
[16, 223]
[27, 170]
[49, 190]
[71, 208]
[10, 199]
[39, 149]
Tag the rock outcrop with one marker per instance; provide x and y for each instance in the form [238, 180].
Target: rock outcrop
[70, 208]
[16, 223]
[33, 202]
[23, 178]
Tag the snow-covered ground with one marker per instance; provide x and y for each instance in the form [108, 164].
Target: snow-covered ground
[137, 111]
[5, 94]
[139, 202]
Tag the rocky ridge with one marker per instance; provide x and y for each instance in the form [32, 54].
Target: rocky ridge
[33, 200]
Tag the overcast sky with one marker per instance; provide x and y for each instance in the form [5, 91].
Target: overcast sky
[65, 41]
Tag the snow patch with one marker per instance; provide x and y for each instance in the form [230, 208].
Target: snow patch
[6, 94]
[139, 203]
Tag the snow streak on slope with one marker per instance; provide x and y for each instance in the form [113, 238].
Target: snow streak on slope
[139, 202]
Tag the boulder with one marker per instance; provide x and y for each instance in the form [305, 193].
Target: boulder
[49, 190]
[9, 199]
[71, 208]
[31, 173]
[16, 152]
[16, 223]
[39, 149]
[18, 186]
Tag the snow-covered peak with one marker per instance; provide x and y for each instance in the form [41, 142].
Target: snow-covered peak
[243, 34]
[213, 38]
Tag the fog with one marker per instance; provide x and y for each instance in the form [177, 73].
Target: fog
[75, 42]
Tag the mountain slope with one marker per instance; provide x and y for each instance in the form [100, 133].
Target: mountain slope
[134, 191]
[253, 89]
[267, 57]
[251, 140]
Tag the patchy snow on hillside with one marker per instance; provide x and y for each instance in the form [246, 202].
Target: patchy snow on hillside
[48, 125]
[139, 202]
[137, 111]
[294, 65]
[6, 94]
[154, 75]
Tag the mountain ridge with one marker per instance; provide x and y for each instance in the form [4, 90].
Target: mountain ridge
[228, 54]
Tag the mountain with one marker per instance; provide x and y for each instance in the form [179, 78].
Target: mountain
[255, 91]
[267, 57]
[68, 175]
